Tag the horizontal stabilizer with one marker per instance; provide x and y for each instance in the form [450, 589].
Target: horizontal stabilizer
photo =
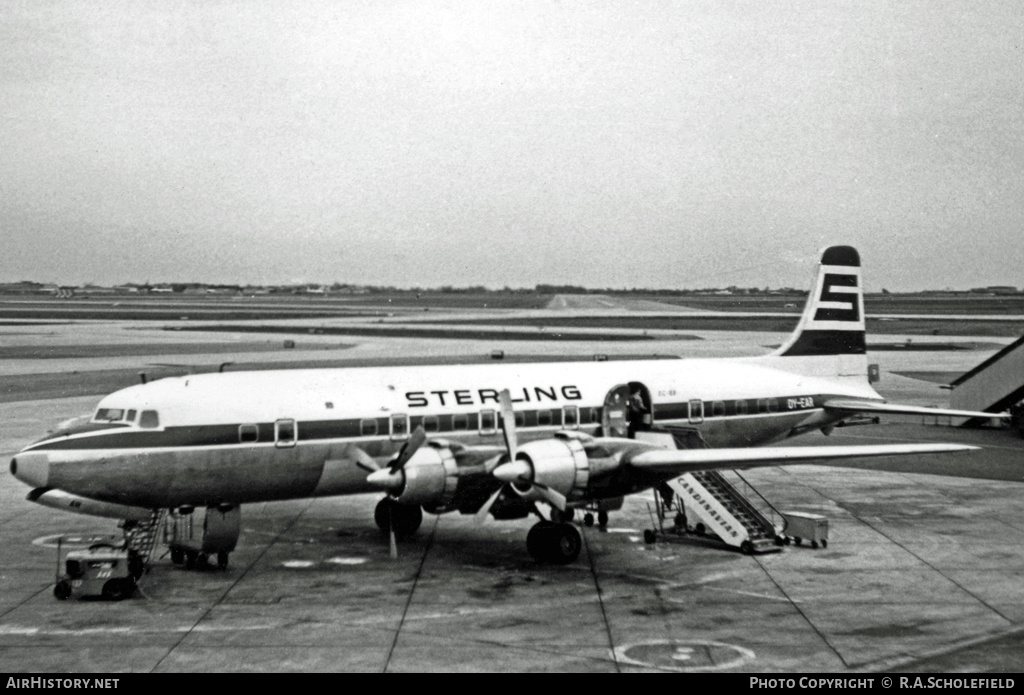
[878, 407]
[686, 460]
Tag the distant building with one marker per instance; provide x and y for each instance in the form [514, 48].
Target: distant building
[995, 289]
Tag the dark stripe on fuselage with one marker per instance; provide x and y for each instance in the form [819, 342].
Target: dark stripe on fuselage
[435, 425]
[811, 343]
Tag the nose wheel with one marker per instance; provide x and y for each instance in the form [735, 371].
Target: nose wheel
[554, 543]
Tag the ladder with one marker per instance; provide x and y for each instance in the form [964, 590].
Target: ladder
[734, 511]
[758, 527]
[140, 538]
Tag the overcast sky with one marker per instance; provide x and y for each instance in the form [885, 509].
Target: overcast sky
[649, 144]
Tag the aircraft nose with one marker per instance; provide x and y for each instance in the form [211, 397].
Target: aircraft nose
[31, 469]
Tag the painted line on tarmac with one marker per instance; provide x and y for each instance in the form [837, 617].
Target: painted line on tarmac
[27, 631]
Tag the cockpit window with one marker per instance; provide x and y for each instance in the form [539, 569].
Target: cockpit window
[149, 419]
[130, 417]
[109, 415]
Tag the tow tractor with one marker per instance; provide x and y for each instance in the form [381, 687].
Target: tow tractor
[101, 570]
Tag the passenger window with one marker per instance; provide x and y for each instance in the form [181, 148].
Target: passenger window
[368, 427]
[742, 408]
[430, 423]
[571, 417]
[248, 433]
[149, 419]
[460, 422]
[285, 433]
[762, 405]
[399, 426]
[520, 419]
[487, 422]
[718, 408]
[595, 416]
[696, 411]
[773, 405]
[543, 418]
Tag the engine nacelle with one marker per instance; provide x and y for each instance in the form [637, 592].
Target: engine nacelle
[561, 464]
[429, 478]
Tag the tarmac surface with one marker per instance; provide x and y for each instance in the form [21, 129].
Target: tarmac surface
[922, 571]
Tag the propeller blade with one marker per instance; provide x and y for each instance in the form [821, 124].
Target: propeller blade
[412, 445]
[364, 460]
[393, 551]
[481, 515]
[508, 420]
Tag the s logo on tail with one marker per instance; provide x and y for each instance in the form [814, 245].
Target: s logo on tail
[833, 320]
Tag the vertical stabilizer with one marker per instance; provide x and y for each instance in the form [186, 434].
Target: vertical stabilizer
[830, 340]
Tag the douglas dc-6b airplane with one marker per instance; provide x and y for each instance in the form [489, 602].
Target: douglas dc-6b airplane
[485, 439]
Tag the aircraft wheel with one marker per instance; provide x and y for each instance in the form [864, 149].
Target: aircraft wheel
[408, 520]
[602, 518]
[650, 536]
[190, 559]
[680, 521]
[118, 589]
[588, 519]
[824, 543]
[798, 540]
[222, 560]
[699, 529]
[403, 518]
[537, 542]
[565, 544]
[177, 556]
[747, 548]
[814, 544]
[62, 590]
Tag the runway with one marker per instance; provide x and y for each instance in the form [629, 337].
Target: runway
[921, 574]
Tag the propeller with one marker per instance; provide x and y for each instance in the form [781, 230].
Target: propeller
[392, 477]
[514, 470]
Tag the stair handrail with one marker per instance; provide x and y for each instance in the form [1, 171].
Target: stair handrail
[766, 509]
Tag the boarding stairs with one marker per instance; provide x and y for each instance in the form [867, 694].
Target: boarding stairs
[717, 506]
[720, 504]
[141, 536]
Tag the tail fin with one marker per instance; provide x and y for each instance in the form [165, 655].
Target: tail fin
[830, 340]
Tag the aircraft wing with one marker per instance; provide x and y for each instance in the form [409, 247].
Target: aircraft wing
[673, 461]
[852, 407]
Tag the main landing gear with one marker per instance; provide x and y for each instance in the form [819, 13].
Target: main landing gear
[403, 519]
[557, 543]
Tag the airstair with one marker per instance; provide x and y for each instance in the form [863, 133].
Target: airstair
[715, 506]
[718, 504]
